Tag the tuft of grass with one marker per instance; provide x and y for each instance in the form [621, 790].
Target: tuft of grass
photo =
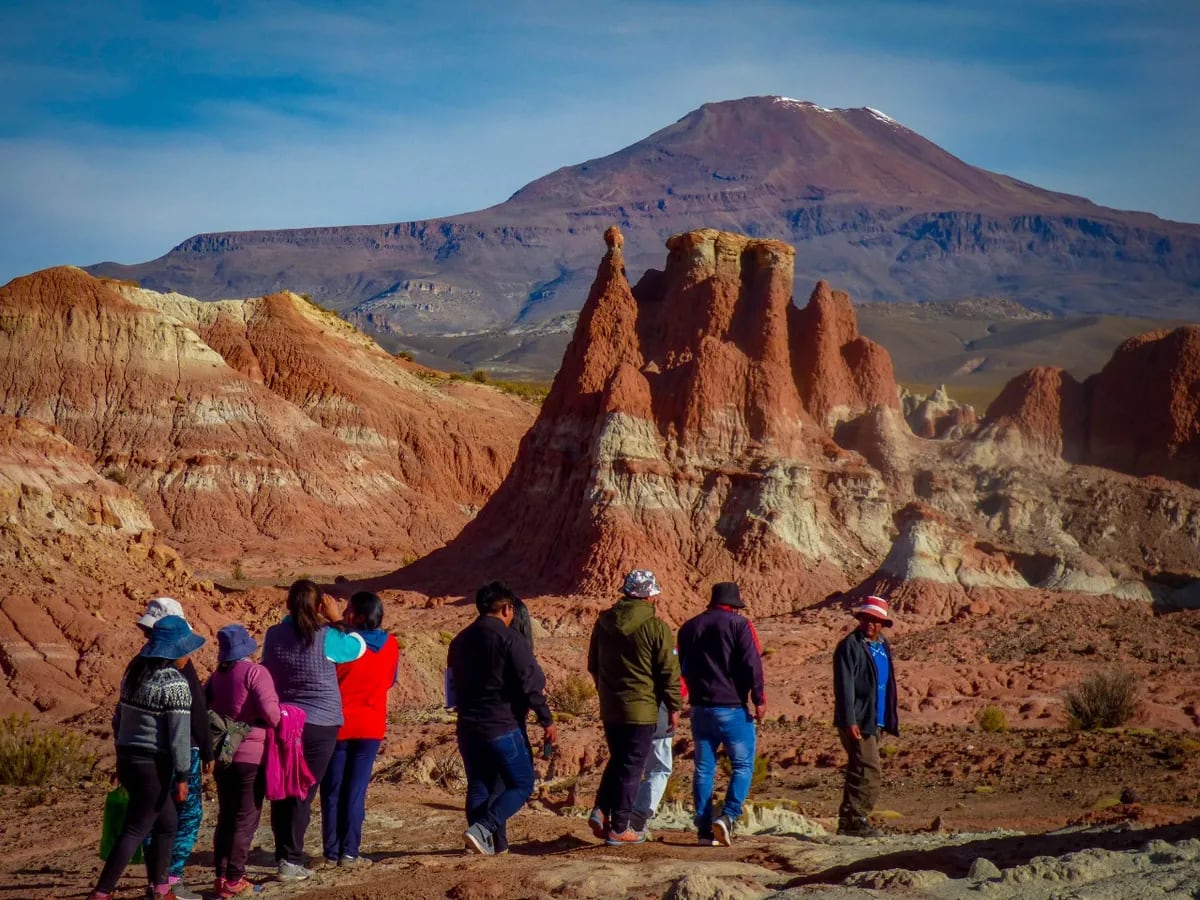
[238, 573]
[573, 695]
[761, 769]
[115, 474]
[33, 755]
[887, 750]
[1103, 700]
[992, 720]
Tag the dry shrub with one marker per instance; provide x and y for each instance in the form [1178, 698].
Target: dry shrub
[992, 720]
[34, 755]
[446, 768]
[573, 695]
[1103, 700]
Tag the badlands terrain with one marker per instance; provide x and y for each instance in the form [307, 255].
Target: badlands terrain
[708, 421]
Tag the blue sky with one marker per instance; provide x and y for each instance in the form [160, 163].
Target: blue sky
[127, 127]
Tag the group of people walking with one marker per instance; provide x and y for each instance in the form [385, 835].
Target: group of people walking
[642, 675]
[309, 717]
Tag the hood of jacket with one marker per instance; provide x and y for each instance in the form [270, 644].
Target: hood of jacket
[628, 615]
[374, 638]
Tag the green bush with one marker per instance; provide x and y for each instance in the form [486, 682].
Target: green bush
[573, 695]
[1103, 700]
[992, 719]
[761, 769]
[37, 755]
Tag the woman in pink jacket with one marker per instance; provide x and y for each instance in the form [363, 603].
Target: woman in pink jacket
[243, 690]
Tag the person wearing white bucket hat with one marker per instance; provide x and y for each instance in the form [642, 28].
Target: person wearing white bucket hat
[864, 692]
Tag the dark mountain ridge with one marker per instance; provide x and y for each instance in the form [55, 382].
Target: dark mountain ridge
[869, 204]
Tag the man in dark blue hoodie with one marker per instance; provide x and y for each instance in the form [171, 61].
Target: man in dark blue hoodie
[721, 660]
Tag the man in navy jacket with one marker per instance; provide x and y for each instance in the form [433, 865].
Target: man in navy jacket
[721, 661]
[864, 698]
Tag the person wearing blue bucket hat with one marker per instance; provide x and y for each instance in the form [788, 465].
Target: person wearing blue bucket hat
[191, 813]
[242, 691]
[152, 725]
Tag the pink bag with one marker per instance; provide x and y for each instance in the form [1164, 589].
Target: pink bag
[288, 774]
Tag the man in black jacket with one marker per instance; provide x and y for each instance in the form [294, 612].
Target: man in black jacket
[864, 694]
[496, 680]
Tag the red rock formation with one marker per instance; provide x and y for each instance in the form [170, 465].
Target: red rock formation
[264, 430]
[1139, 415]
[1048, 408]
[1145, 407]
[675, 437]
[78, 560]
[838, 371]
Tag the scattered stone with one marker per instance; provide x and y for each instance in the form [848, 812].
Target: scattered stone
[983, 870]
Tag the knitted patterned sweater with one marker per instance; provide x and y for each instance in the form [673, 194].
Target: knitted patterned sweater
[155, 719]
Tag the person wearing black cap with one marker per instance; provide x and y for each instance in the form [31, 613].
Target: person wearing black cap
[722, 664]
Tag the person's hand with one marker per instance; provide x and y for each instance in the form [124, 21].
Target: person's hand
[855, 732]
[550, 733]
[330, 609]
[208, 767]
[181, 792]
[673, 719]
[759, 711]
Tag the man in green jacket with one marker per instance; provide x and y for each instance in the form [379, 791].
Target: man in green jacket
[632, 660]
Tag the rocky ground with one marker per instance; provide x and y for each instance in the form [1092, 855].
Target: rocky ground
[1039, 810]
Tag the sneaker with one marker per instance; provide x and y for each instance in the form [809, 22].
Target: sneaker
[230, 889]
[858, 826]
[183, 892]
[353, 862]
[479, 840]
[290, 871]
[706, 839]
[598, 822]
[628, 836]
[723, 830]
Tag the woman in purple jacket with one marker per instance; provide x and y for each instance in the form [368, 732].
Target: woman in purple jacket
[244, 691]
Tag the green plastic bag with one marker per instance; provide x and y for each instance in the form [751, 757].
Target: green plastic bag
[116, 804]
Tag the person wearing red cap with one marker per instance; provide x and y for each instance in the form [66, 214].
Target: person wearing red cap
[864, 704]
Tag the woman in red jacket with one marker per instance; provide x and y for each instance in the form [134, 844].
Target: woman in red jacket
[364, 686]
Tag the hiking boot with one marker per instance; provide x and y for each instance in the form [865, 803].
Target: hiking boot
[231, 889]
[183, 892]
[598, 822]
[628, 836]
[857, 826]
[723, 830]
[479, 840]
[353, 862]
[290, 871]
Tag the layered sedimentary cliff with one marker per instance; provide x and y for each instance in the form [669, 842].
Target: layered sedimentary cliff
[259, 430]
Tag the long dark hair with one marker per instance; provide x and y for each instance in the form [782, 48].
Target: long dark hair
[369, 607]
[138, 669]
[304, 603]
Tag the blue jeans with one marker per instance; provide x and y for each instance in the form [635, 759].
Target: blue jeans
[499, 779]
[344, 796]
[712, 727]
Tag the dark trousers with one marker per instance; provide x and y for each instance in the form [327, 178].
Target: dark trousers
[499, 779]
[149, 781]
[628, 748]
[289, 818]
[344, 796]
[240, 790]
[863, 776]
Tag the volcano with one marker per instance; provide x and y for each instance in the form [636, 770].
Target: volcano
[866, 202]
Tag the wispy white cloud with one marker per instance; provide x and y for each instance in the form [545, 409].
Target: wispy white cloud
[146, 128]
